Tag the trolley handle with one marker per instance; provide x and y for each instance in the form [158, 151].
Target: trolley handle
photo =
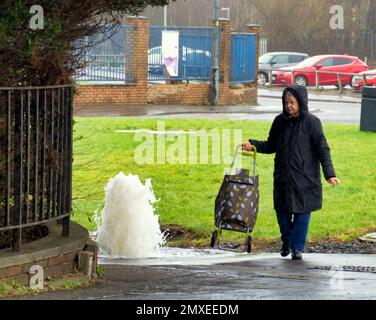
[252, 154]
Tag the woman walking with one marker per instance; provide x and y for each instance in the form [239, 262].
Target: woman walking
[298, 141]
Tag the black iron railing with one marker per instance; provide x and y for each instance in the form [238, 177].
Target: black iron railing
[35, 158]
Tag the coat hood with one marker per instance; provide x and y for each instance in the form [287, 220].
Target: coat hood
[300, 93]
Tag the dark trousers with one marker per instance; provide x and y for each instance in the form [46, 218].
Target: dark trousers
[294, 229]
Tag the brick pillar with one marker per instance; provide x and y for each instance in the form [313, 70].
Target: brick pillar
[140, 50]
[224, 61]
[225, 51]
[254, 28]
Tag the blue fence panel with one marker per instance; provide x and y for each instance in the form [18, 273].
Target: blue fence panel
[195, 49]
[110, 59]
[243, 57]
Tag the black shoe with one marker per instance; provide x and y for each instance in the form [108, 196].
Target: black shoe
[285, 250]
[296, 255]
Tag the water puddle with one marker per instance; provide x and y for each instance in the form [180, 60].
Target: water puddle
[179, 256]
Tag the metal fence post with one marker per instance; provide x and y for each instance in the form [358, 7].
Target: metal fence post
[18, 171]
[340, 86]
[270, 75]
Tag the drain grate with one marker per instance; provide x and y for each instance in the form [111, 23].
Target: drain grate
[346, 268]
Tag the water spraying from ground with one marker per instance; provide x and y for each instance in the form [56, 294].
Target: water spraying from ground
[129, 227]
[129, 231]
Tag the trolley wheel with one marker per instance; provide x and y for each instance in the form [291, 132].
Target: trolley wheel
[213, 238]
[248, 244]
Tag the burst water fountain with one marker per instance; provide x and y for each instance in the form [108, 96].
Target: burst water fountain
[129, 227]
[129, 230]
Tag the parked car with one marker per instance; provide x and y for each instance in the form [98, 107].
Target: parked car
[193, 63]
[358, 81]
[304, 72]
[275, 60]
[155, 64]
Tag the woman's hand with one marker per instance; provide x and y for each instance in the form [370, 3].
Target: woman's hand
[334, 181]
[247, 146]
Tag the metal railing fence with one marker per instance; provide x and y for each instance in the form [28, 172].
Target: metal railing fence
[35, 158]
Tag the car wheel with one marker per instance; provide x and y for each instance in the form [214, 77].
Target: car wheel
[262, 79]
[301, 81]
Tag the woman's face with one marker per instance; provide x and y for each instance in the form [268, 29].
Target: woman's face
[292, 106]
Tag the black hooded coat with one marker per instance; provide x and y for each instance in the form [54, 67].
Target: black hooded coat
[300, 146]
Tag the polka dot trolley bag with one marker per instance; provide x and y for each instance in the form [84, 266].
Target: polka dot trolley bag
[237, 202]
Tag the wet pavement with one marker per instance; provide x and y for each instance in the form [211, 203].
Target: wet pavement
[329, 108]
[267, 110]
[327, 95]
[232, 276]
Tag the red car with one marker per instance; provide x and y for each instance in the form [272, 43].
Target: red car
[304, 72]
[358, 81]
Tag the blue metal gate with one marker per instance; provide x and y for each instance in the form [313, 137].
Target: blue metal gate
[110, 59]
[195, 48]
[243, 57]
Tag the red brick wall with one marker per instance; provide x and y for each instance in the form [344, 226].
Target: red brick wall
[242, 95]
[140, 93]
[53, 267]
[89, 97]
[179, 94]
[99, 95]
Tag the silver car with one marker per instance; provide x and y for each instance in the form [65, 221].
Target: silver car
[275, 60]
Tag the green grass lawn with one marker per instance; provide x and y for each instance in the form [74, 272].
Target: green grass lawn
[187, 191]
